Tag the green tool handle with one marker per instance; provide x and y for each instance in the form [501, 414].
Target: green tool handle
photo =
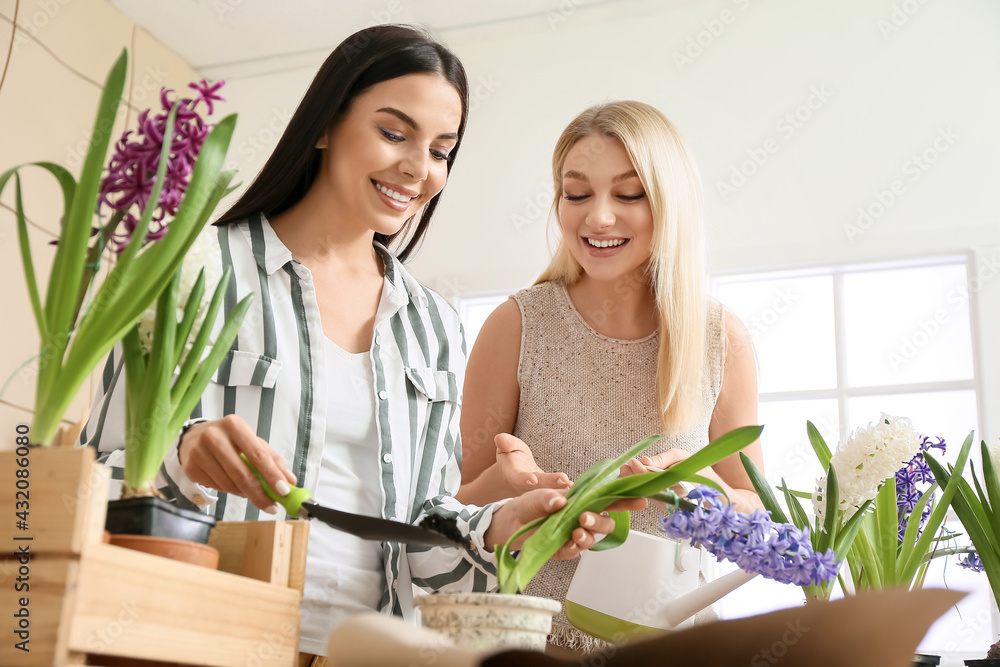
[292, 502]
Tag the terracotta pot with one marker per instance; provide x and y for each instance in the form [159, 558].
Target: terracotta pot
[182, 550]
[488, 621]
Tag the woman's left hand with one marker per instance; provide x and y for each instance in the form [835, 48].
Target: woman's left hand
[542, 502]
[743, 500]
[661, 461]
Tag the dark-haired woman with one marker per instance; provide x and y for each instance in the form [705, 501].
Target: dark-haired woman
[346, 374]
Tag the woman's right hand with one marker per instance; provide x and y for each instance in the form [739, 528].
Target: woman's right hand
[514, 473]
[210, 451]
[518, 468]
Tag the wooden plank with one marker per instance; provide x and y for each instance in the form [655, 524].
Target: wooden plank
[158, 609]
[257, 549]
[50, 598]
[297, 559]
[230, 539]
[63, 484]
[114, 661]
[269, 546]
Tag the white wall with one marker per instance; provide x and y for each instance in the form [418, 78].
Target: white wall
[889, 97]
[891, 83]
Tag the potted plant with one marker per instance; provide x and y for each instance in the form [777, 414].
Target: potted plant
[870, 506]
[979, 511]
[166, 372]
[898, 539]
[507, 619]
[161, 184]
[862, 475]
[78, 325]
[87, 584]
[168, 363]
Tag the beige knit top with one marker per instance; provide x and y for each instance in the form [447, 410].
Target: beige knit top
[585, 397]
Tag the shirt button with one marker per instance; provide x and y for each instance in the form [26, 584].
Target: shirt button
[387, 458]
[198, 499]
[378, 339]
[383, 395]
[392, 518]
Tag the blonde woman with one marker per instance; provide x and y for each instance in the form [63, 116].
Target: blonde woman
[616, 340]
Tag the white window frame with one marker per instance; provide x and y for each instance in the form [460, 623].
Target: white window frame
[842, 392]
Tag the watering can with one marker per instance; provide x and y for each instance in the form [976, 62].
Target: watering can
[649, 584]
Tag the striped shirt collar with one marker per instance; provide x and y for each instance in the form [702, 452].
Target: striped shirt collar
[276, 256]
[401, 281]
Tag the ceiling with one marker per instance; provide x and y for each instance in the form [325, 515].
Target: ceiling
[240, 38]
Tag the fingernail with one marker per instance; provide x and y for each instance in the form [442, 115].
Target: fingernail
[553, 501]
[273, 509]
[282, 488]
[530, 482]
[588, 520]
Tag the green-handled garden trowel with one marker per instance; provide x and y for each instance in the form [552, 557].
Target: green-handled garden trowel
[434, 530]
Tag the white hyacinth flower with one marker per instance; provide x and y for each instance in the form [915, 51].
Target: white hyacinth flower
[995, 455]
[869, 457]
[204, 253]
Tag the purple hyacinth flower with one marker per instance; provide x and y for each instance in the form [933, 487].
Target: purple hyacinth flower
[779, 551]
[972, 561]
[207, 93]
[916, 471]
[131, 172]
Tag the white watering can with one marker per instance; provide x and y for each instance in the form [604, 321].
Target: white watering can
[648, 584]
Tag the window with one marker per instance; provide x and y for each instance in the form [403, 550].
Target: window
[474, 308]
[837, 346]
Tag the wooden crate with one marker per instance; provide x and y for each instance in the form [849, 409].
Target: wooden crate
[91, 603]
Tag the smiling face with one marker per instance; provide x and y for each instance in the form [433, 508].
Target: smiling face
[388, 155]
[604, 214]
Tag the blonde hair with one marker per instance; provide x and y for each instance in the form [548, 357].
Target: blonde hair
[676, 264]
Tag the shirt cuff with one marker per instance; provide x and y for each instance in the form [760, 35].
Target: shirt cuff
[202, 496]
[478, 535]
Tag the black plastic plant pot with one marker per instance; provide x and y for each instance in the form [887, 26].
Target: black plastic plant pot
[921, 659]
[983, 662]
[157, 518]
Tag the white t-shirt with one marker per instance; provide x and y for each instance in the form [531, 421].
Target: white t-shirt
[344, 574]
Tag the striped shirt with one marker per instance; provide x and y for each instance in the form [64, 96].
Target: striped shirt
[275, 377]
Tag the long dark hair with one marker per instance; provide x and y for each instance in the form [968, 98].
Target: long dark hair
[364, 59]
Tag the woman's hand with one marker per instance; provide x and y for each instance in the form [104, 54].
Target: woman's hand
[662, 461]
[542, 502]
[515, 472]
[210, 455]
[743, 500]
[519, 470]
